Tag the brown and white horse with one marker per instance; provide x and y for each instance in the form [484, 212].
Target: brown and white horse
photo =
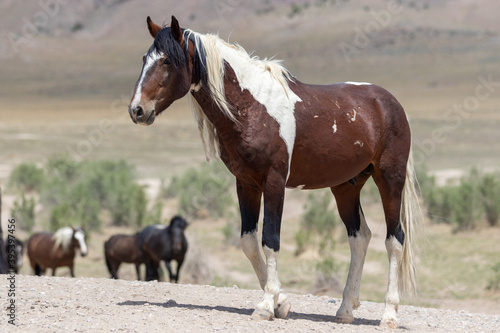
[272, 132]
[52, 250]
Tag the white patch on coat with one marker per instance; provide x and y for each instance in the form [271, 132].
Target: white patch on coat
[261, 81]
[334, 126]
[354, 115]
[358, 83]
[195, 87]
[358, 143]
[316, 116]
[150, 61]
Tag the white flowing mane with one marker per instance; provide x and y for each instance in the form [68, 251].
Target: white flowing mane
[63, 237]
[216, 50]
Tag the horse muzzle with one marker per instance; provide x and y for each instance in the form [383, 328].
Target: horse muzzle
[141, 116]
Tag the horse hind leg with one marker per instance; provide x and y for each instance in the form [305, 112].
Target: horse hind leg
[391, 183]
[349, 207]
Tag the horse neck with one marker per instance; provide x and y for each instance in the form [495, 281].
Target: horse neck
[215, 115]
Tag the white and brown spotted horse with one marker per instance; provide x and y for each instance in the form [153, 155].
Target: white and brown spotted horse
[272, 132]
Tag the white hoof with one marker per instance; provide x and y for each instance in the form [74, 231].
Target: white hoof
[389, 323]
[262, 314]
[282, 310]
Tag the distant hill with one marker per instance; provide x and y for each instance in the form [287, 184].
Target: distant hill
[93, 48]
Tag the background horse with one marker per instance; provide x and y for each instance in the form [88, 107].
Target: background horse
[167, 244]
[52, 250]
[273, 131]
[123, 248]
[17, 249]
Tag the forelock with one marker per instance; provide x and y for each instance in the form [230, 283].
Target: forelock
[165, 43]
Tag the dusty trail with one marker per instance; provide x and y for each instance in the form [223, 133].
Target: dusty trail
[60, 304]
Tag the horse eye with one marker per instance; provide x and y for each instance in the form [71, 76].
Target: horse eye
[143, 59]
[166, 61]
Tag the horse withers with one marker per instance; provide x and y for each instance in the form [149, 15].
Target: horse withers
[123, 248]
[164, 243]
[53, 250]
[273, 131]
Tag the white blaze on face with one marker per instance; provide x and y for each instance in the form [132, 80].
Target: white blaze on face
[150, 61]
[266, 90]
[80, 237]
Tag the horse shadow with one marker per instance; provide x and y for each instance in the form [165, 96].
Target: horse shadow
[291, 316]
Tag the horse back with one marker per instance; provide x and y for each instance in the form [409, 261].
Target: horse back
[123, 248]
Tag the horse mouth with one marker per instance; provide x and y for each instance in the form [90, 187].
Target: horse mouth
[146, 120]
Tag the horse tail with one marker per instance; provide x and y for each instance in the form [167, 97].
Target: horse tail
[412, 223]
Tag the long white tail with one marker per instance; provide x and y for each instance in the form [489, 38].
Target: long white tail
[412, 222]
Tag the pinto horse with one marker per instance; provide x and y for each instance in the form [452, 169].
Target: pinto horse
[123, 248]
[272, 132]
[164, 243]
[53, 250]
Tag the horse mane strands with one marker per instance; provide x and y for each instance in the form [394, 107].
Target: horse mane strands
[63, 237]
[211, 72]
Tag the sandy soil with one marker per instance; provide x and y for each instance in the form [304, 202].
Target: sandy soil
[60, 304]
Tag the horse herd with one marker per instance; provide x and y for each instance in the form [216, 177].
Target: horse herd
[149, 246]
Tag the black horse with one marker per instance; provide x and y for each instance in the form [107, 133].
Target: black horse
[164, 243]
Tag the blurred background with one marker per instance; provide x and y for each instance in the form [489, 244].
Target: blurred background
[70, 154]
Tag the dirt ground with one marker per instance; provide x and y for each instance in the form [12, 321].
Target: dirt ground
[61, 304]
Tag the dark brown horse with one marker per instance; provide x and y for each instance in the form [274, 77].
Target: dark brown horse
[164, 243]
[272, 132]
[123, 248]
[52, 250]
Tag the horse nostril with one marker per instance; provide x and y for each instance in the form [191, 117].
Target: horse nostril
[139, 112]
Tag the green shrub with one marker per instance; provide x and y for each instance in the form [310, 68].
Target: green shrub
[489, 188]
[203, 191]
[494, 283]
[77, 193]
[24, 212]
[318, 223]
[463, 204]
[26, 177]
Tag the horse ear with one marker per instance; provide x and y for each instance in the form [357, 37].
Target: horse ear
[153, 28]
[176, 30]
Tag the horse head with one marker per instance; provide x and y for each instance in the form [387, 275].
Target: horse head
[176, 232]
[166, 73]
[79, 237]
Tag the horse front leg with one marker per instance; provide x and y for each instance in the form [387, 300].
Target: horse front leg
[273, 303]
[169, 269]
[249, 199]
[179, 264]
